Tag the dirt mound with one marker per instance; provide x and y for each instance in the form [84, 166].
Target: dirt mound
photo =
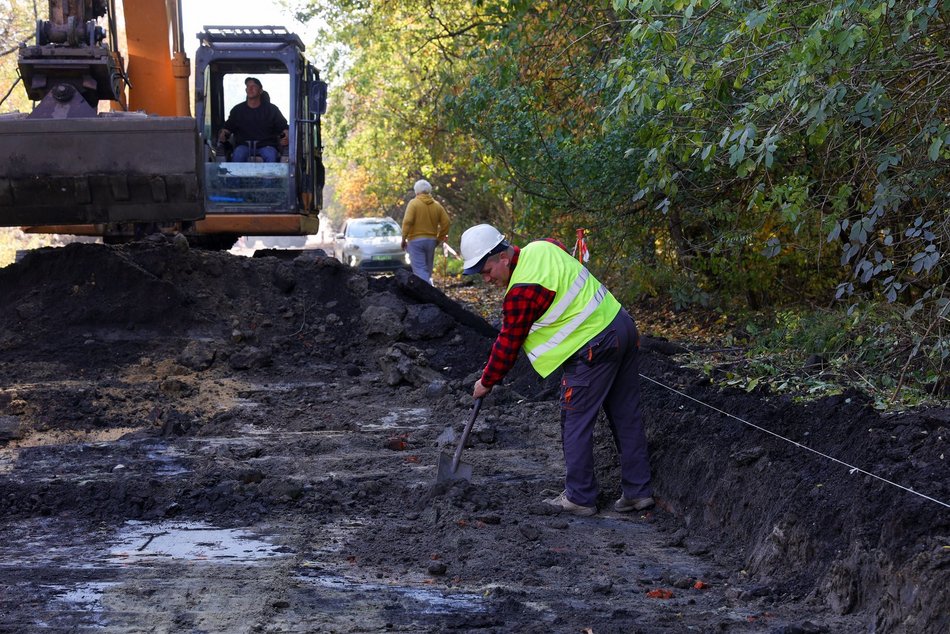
[85, 285]
[150, 382]
[246, 312]
[802, 523]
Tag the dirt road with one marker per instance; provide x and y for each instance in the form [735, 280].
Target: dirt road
[198, 442]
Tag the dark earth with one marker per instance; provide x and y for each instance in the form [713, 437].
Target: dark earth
[193, 441]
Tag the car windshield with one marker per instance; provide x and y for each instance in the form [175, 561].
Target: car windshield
[372, 230]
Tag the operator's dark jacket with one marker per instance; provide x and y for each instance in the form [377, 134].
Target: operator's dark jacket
[262, 124]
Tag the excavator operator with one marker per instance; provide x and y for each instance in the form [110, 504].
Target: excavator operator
[257, 124]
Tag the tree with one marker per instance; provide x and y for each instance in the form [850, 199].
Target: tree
[759, 152]
[396, 62]
[17, 25]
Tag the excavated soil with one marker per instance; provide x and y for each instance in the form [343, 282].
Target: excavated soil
[199, 442]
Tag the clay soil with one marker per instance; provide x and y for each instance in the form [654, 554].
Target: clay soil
[198, 442]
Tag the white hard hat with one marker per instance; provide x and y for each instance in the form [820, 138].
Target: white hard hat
[477, 244]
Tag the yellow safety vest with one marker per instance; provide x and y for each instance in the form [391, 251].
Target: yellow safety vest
[581, 309]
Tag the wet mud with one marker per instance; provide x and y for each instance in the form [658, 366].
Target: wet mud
[198, 442]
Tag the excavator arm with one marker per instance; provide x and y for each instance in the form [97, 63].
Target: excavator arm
[66, 163]
[69, 62]
[159, 75]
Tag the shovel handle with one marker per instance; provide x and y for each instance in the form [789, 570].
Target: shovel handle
[465, 433]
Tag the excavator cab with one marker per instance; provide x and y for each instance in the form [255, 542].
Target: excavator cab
[255, 197]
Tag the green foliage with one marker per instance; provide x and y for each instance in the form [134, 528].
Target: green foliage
[871, 347]
[739, 153]
[392, 64]
[17, 24]
[807, 118]
[447, 266]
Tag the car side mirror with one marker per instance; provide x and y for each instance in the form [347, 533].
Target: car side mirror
[339, 236]
[318, 97]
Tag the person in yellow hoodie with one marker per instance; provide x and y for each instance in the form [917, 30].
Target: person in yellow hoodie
[424, 226]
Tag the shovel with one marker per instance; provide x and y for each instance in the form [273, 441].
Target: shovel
[451, 466]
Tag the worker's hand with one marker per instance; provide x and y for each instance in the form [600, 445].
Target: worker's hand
[284, 139]
[223, 135]
[480, 390]
[404, 243]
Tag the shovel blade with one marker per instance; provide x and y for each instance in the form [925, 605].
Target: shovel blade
[463, 472]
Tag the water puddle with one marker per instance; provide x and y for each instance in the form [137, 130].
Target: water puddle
[143, 542]
[76, 579]
[87, 595]
[412, 599]
[405, 418]
[164, 461]
[83, 603]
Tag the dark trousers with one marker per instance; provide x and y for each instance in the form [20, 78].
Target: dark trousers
[604, 373]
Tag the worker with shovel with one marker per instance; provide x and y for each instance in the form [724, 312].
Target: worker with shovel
[564, 318]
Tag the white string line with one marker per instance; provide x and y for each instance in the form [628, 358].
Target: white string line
[798, 444]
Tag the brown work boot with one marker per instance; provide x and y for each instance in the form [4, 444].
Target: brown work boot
[564, 504]
[625, 504]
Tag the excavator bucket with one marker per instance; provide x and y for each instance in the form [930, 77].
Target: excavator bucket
[123, 167]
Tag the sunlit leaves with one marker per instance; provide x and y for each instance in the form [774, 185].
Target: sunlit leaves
[17, 25]
[760, 150]
[386, 126]
[848, 92]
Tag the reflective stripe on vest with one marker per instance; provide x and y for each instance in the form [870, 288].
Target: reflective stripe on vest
[572, 325]
[556, 311]
[581, 309]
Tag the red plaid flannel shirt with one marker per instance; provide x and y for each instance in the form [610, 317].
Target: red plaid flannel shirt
[524, 304]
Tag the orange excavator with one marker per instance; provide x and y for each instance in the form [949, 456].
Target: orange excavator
[111, 149]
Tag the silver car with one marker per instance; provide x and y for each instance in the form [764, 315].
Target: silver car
[373, 244]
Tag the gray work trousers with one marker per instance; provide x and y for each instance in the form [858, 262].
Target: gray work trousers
[422, 256]
[604, 373]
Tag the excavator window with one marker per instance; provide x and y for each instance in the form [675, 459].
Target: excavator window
[276, 85]
[226, 57]
[252, 183]
[232, 92]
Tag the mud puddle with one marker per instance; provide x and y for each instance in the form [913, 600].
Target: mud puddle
[124, 578]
